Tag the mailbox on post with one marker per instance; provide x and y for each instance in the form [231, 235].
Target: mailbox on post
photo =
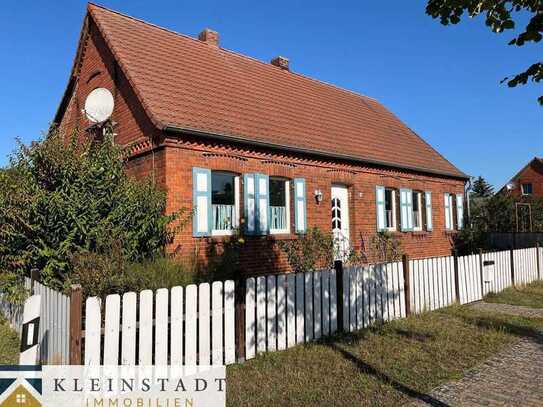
[488, 271]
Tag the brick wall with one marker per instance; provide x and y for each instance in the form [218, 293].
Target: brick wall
[184, 153]
[99, 69]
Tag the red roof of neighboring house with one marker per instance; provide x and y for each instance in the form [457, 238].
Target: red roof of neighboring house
[185, 83]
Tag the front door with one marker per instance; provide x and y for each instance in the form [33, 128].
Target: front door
[340, 220]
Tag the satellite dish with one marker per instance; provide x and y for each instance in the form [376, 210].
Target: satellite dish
[99, 105]
[510, 186]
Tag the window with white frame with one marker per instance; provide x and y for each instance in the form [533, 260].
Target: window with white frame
[449, 211]
[224, 202]
[279, 205]
[390, 209]
[526, 188]
[417, 210]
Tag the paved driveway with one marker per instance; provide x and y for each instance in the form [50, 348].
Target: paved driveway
[514, 377]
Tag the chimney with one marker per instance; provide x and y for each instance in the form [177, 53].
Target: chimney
[209, 36]
[281, 62]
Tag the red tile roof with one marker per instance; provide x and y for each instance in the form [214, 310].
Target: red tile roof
[185, 83]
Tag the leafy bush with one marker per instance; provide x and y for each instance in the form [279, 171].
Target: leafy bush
[59, 198]
[100, 274]
[312, 250]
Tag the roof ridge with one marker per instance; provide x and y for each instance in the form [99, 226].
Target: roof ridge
[237, 53]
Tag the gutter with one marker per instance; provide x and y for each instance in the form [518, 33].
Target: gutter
[301, 150]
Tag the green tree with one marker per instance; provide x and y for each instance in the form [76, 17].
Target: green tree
[481, 188]
[59, 198]
[500, 15]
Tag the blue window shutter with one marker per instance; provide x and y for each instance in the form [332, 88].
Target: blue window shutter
[428, 201]
[249, 203]
[381, 208]
[262, 186]
[406, 209]
[460, 210]
[201, 200]
[300, 206]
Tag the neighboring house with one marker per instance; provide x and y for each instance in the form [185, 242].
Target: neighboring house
[254, 145]
[528, 181]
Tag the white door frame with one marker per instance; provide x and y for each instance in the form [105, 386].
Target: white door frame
[340, 219]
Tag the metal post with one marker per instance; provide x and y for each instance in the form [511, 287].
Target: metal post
[407, 284]
[512, 267]
[456, 277]
[34, 275]
[240, 319]
[481, 265]
[338, 266]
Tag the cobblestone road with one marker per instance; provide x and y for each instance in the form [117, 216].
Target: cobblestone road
[512, 378]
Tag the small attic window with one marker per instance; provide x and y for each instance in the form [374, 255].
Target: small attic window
[94, 75]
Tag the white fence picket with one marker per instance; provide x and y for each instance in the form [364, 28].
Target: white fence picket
[325, 281]
[216, 323]
[229, 323]
[250, 318]
[291, 310]
[271, 300]
[161, 327]
[317, 304]
[281, 313]
[308, 278]
[261, 326]
[129, 329]
[300, 318]
[93, 327]
[333, 301]
[146, 328]
[359, 299]
[176, 326]
[191, 294]
[111, 329]
[204, 335]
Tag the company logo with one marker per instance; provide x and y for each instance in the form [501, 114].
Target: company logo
[20, 386]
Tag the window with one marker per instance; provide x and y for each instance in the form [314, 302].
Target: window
[279, 207]
[417, 210]
[526, 188]
[449, 211]
[224, 202]
[390, 209]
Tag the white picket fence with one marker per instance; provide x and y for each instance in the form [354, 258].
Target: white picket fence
[282, 311]
[191, 325]
[372, 293]
[432, 283]
[54, 328]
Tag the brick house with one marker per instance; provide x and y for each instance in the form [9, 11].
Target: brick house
[254, 145]
[528, 182]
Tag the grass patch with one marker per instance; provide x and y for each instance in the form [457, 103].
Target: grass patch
[528, 296]
[9, 344]
[385, 365]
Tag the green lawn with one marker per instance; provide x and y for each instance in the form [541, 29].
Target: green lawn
[9, 344]
[386, 365]
[528, 296]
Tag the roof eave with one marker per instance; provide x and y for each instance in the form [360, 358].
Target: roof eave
[301, 150]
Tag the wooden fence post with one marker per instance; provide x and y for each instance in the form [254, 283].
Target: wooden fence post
[34, 275]
[338, 266]
[76, 317]
[481, 265]
[240, 319]
[407, 284]
[511, 253]
[456, 277]
[538, 259]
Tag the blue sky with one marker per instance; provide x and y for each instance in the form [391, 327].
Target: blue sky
[442, 81]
